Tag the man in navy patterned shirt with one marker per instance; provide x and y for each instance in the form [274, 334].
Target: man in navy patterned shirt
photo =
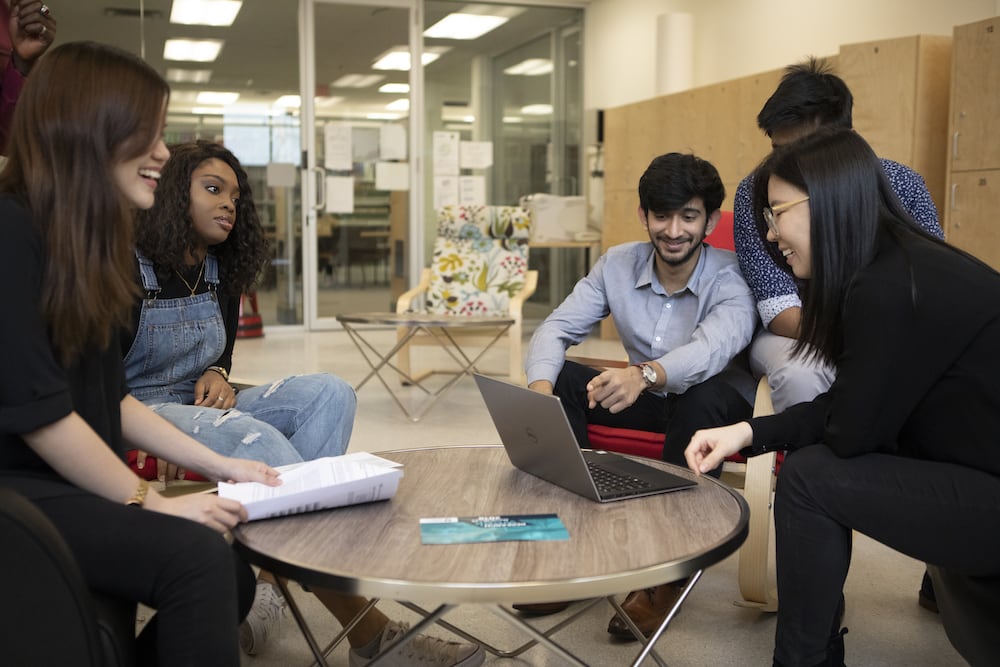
[808, 97]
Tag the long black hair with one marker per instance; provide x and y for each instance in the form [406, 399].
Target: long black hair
[165, 233]
[850, 204]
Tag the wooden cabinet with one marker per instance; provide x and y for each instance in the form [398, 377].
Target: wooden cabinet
[900, 88]
[975, 96]
[974, 157]
[972, 219]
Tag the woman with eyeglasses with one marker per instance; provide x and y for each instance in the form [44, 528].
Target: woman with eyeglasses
[905, 446]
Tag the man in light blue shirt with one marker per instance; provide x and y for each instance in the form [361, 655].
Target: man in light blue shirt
[684, 314]
[682, 310]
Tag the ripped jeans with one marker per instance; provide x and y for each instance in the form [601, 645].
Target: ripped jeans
[294, 419]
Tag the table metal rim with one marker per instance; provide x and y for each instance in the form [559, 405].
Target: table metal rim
[499, 593]
[516, 592]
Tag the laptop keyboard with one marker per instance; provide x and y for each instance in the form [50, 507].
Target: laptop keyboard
[611, 484]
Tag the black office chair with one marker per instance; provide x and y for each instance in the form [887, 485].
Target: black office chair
[970, 612]
[49, 616]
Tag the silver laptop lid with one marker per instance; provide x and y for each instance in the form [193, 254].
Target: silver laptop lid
[536, 435]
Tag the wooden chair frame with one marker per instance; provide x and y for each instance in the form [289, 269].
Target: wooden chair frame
[408, 302]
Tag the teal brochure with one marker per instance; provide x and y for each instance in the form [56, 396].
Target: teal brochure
[514, 527]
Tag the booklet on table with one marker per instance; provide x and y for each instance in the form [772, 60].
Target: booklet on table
[333, 481]
[503, 528]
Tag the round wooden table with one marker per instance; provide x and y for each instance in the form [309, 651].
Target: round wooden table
[375, 549]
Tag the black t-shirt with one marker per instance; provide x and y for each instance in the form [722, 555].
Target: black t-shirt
[35, 389]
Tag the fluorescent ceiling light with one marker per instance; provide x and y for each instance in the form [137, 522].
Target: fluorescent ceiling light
[213, 97]
[464, 26]
[183, 96]
[513, 119]
[537, 110]
[530, 67]
[288, 102]
[207, 111]
[396, 88]
[398, 58]
[194, 50]
[205, 12]
[328, 101]
[383, 116]
[175, 75]
[357, 80]
[398, 105]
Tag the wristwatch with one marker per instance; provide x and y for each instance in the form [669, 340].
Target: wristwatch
[649, 375]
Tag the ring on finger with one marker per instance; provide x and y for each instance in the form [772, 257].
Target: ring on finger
[44, 30]
[44, 11]
[218, 399]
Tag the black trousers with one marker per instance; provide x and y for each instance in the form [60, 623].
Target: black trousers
[714, 402]
[943, 514]
[198, 585]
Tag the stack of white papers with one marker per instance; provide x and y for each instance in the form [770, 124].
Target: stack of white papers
[333, 481]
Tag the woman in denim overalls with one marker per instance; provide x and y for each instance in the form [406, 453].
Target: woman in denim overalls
[199, 248]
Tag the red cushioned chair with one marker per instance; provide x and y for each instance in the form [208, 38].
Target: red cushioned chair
[148, 470]
[758, 473]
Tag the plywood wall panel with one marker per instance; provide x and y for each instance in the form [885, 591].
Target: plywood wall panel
[901, 90]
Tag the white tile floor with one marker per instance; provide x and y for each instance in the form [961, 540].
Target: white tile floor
[886, 625]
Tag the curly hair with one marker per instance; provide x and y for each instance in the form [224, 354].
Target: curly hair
[165, 233]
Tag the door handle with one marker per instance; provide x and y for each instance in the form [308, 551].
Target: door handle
[320, 173]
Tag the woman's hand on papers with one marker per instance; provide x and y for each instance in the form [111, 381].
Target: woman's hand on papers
[219, 514]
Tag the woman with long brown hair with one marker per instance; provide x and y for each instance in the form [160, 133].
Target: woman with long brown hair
[85, 152]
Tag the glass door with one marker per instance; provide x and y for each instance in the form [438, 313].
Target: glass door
[537, 117]
[356, 142]
[371, 123]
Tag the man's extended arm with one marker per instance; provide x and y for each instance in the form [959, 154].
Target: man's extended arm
[773, 288]
[569, 324]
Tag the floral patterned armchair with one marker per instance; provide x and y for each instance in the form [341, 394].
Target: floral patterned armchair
[479, 268]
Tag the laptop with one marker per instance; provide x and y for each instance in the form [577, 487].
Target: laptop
[538, 439]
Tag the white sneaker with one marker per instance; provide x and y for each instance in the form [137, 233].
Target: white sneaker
[264, 618]
[423, 650]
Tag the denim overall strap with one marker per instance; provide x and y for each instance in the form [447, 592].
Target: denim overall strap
[176, 339]
[148, 274]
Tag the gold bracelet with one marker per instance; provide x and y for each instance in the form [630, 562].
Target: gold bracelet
[221, 371]
[139, 497]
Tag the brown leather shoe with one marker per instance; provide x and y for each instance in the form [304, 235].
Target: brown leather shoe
[541, 608]
[647, 609]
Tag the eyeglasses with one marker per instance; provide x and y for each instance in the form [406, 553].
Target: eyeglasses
[770, 213]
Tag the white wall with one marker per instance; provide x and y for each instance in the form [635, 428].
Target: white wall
[735, 38]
